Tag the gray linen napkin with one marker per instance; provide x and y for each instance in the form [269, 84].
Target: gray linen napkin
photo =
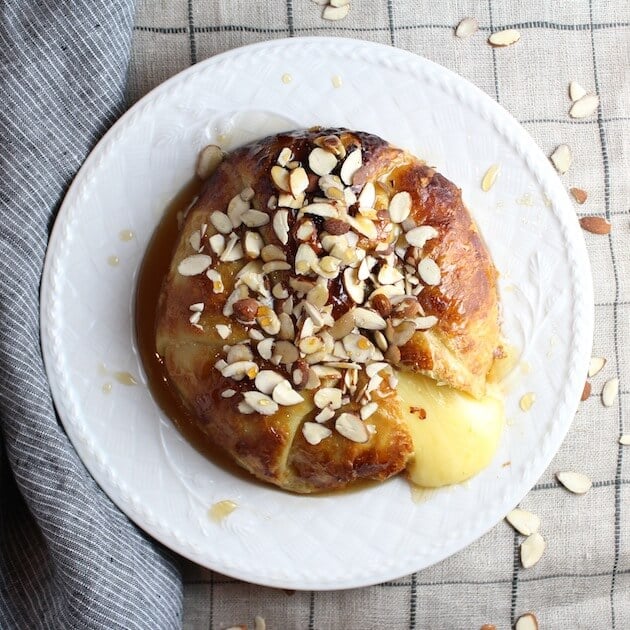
[68, 557]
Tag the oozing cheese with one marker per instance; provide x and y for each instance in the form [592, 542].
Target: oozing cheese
[458, 436]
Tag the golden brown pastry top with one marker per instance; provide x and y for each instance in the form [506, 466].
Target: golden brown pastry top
[376, 263]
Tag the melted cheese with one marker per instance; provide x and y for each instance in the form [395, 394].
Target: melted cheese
[458, 436]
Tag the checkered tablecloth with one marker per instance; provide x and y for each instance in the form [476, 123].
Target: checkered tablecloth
[583, 579]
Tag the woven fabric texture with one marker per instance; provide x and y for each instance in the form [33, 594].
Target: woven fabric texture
[583, 579]
[68, 557]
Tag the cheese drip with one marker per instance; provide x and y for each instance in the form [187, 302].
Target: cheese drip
[458, 435]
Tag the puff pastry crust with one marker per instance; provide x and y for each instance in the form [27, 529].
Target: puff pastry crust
[439, 316]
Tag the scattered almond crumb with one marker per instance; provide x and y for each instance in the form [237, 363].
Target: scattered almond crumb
[579, 195]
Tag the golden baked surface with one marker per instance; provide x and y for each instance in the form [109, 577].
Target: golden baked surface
[312, 268]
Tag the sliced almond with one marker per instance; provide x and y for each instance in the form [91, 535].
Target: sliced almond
[285, 395]
[208, 161]
[255, 218]
[528, 621]
[217, 243]
[280, 177]
[266, 381]
[610, 391]
[350, 166]
[400, 207]
[350, 426]
[467, 27]
[507, 37]
[195, 241]
[490, 177]
[314, 433]
[325, 415]
[368, 196]
[327, 397]
[194, 265]
[281, 225]
[363, 226]
[355, 288]
[268, 320]
[235, 210]
[579, 195]
[261, 403]
[228, 393]
[197, 307]
[285, 156]
[240, 369]
[265, 348]
[335, 13]
[325, 210]
[574, 482]
[576, 91]
[523, 521]
[368, 319]
[368, 410]
[586, 391]
[424, 323]
[429, 272]
[595, 225]
[343, 326]
[217, 282]
[625, 439]
[532, 549]
[417, 237]
[253, 244]
[584, 106]
[562, 158]
[321, 162]
[298, 181]
[223, 330]
[221, 222]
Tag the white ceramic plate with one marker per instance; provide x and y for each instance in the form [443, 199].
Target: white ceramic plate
[132, 449]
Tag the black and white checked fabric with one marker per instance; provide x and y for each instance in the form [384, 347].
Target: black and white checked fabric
[68, 557]
[583, 579]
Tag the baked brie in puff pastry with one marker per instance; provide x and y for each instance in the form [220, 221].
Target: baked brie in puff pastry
[331, 314]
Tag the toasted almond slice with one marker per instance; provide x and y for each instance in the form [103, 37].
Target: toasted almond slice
[254, 218]
[368, 319]
[610, 391]
[585, 106]
[266, 381]
[314, 433]
[235, 210]
[490, 177]
[326, 210]
[579, 195]
[253, 244]
[240, 369]
[417, 237]
[265, 348]
[217, 282]
[424, 323]
[197, 307]
[194, 265]
[595, 225]
[507, 37]
[217, 243]
[368, 410]
[194, 318]
[228, 393]
[562, 158]
[335, 13]
[586, 391]
[350, 426]
[523, 521]
[574, 482]
[280, 177]
[261, 403]
[275, 265]
[298, 181]
[281, 225]
[532, 549]
[195, 241]
[344, 325]
[364, 226]
[389, 275]
[528, 621]
[367, 196]
[208, 161]
[355, 288]
[243, 407]
[576, 91]
[625, 439]
[467, 27]
[285, 395]
[221, 222]
[400, 207]
[429, 271]
[325, 415]
[350, 166]
[327, 397]
[285, 156]
[321, 162]
[223, 330]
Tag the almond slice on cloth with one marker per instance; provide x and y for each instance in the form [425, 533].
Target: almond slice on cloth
[576, 91]
[574, 482]
[610, 391]
[532, 549]
[523, 522]
[585, 106]
[528, 621]
[467, 27]
[596, 365]
[335, 13]
[562, 158]
[504, 38]
[579, 195]
[595, 225]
